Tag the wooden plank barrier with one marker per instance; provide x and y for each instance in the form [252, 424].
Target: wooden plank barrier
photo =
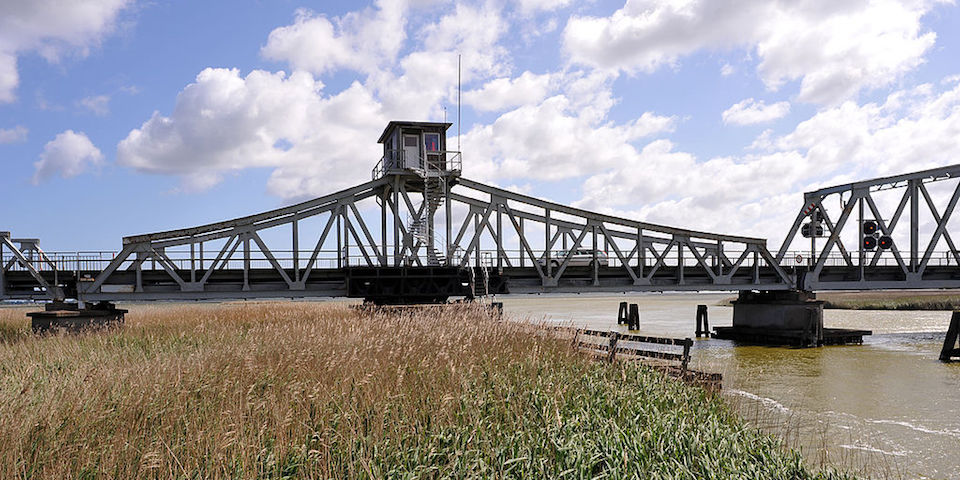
[610, 346]
[614, 346]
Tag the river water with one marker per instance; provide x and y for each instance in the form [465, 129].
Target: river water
[886, 409]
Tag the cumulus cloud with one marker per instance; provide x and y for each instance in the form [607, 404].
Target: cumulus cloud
[565, 136]
[759, 194]
[504, 93]
[313, 140]
[750, 112]
[834, 48]
[13, 135]
[224, 122]
[359, 41]
[69, 154]
[50, 28]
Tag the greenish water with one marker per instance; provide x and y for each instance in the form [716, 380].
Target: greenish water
[887, 408]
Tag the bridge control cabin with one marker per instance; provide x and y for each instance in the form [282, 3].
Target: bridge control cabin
[417, 149]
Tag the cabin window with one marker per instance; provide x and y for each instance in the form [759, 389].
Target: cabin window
[432, 142]
[409, 141]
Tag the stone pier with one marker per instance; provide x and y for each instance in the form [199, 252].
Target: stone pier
[789, 317]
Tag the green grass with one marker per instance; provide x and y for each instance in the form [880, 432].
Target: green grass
[297, 390]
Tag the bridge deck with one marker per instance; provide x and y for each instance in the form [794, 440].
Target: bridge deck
[425, 221]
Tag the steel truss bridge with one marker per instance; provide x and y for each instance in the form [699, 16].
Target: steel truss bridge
[427, 234]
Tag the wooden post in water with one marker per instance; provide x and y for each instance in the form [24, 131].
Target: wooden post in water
[622, 314]
[950, 343]
[703, 322]
[634, 321]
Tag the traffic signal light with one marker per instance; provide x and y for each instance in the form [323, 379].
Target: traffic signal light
[811, 230]
[872, 237]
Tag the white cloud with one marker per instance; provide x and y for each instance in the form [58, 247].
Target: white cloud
[224, 123]
[726, 70]
[750, 112]
[13, 135]
[834, 48]
[760, 194]
[98, 104]
[565, 136]
[50, 28]
[69, 154]
[504, 93]
[315, 141]
[532, 6]
[359, 41]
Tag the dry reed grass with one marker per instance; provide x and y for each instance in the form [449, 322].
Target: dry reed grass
[308, 390]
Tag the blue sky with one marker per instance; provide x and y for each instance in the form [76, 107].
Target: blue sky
[120, 117]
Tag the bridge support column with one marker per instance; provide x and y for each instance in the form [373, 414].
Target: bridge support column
[776, 317]
[71, 317]
[793, 318]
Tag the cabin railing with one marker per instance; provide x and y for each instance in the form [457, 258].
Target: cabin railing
[432, 163]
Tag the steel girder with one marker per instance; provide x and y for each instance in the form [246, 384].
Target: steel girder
[517, 237]
[484, 226]
[642, 256]
[29, 258]
[859, 205]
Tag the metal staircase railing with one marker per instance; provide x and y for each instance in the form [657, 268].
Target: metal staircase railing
[420, 227]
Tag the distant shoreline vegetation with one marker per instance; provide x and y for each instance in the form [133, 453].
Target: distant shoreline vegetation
[885, 300]
[308, 390]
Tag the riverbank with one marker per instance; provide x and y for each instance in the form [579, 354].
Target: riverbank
[320, 391]
[921, 300]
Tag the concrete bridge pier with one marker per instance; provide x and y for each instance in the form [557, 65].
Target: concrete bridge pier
[784, 317]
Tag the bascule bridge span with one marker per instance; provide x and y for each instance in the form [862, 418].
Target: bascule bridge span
[419, 231]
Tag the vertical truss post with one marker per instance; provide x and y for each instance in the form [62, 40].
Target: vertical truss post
[499, 239]
[596, 266]
[296, 247]
[813, 242]
[448, 220]
[546, 241]
[719, 258]
[396, 221]
[863, 253]
[338, 212]
[193, 264]
[140, 257]
[523, 255]
[246, 261]
[679, 261]
[478, 233]
[914, 186]
[383, 227]
[641, 251]
[346, 237]
[756, 266]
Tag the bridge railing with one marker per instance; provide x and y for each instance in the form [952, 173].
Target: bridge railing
[93, 261]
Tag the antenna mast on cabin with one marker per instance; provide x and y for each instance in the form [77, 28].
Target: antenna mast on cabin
[458, 102]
